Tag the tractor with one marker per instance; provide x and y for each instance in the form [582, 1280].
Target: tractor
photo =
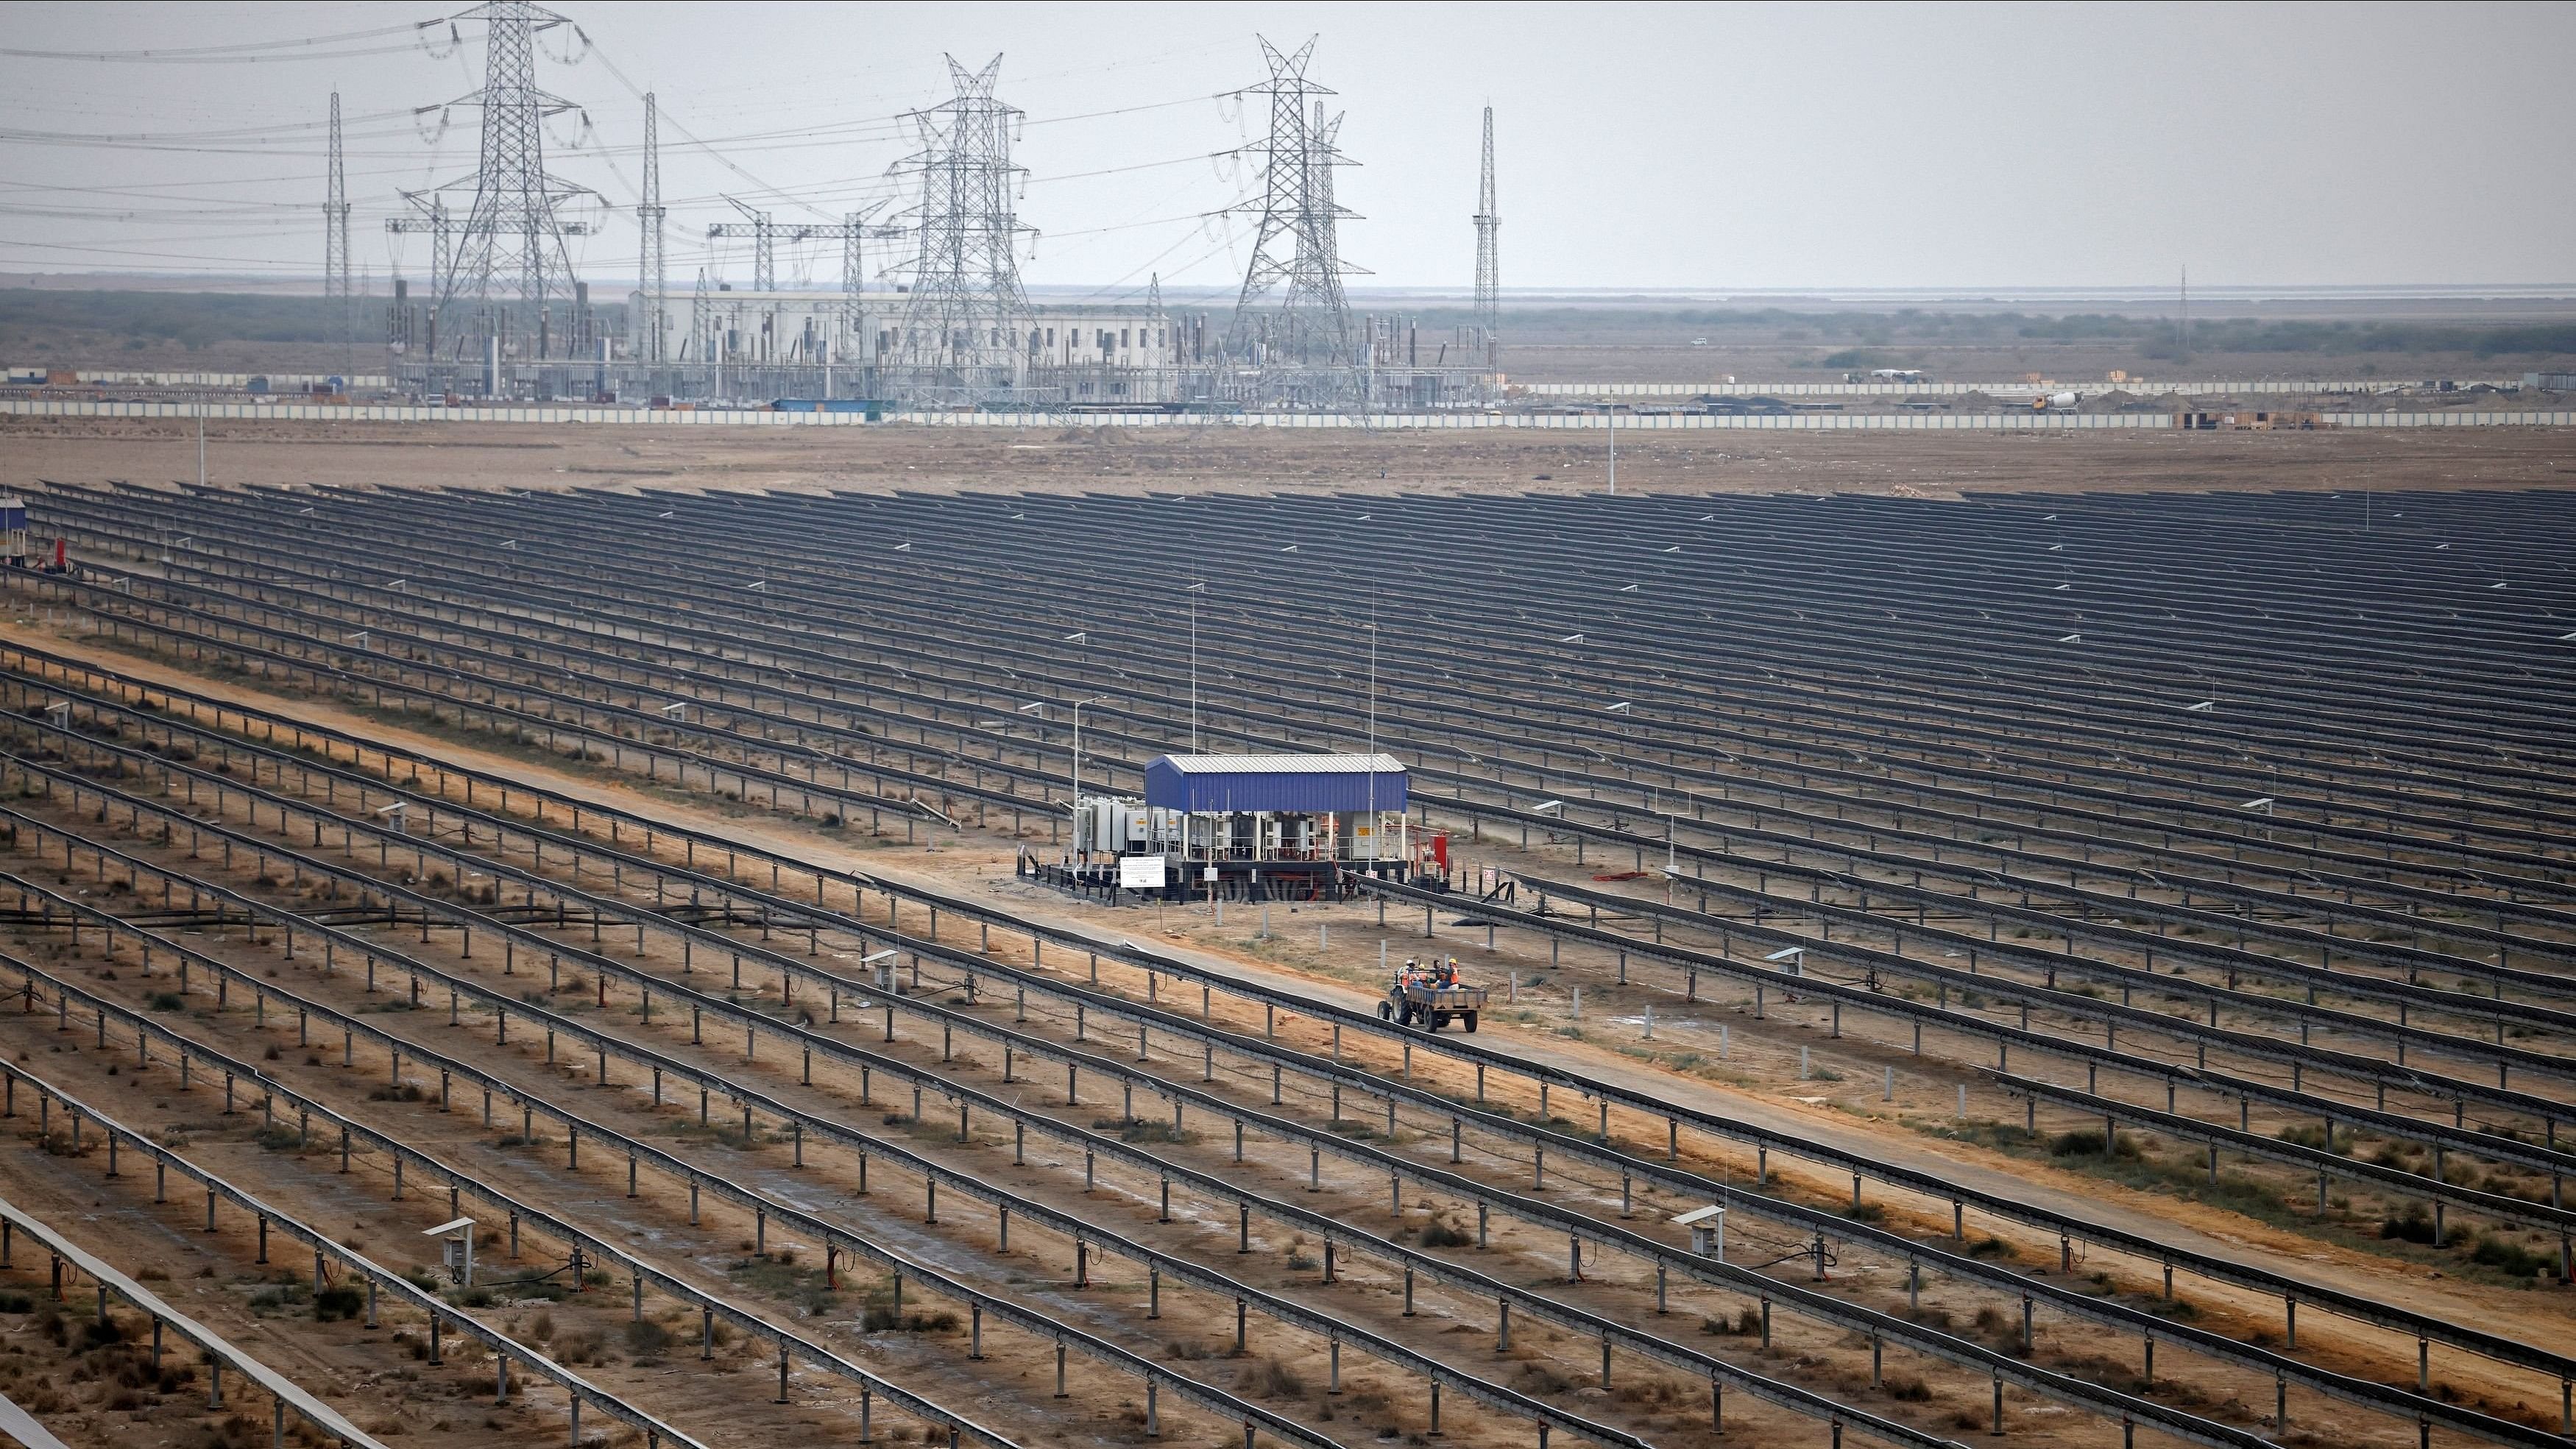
[1430, 998]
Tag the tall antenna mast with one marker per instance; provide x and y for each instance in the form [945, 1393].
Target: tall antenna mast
[701, 344]
[1489, 278]
[966, 320]
[337, 296]
[853, 282]
[649, 213]
[2183, 327]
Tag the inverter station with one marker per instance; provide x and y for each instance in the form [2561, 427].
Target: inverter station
[1248, 827]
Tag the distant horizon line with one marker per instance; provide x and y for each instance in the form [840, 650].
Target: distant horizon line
[1956, 293]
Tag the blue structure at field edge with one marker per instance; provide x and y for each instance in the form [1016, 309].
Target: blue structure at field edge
[1248, 827]
[1275, 784]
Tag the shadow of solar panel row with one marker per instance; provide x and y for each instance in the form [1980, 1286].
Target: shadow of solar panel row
[1754, 648]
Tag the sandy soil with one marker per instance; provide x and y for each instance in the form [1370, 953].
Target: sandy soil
[1228, 460]
[1764, 1087]
[1673, 359]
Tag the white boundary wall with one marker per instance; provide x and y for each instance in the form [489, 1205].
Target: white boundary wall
[2016, 421]
[290, 380]
[2215, 387]
[289, 383]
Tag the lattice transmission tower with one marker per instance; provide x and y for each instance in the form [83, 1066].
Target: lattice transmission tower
[856, 228]
[650, 262]
[762, 228]
[1489, 274]
[1296, 252]
[339, 299]
[966, 319]
[509, 271]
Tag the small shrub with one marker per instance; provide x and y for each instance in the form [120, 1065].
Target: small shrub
[278, 1138]
[1272, 1379]
[1144, 1129]
[100, 1332]
[1538, 1378]
[2313, 1135]
[2089, 1144]
[581, 1346]
[2497, 1251]
[2415, 1225]
[881, 1319]
[340, 1302]
[1746, 1323]
[646, 1339]
[276, 1299]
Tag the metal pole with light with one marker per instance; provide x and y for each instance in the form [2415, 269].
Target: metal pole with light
[1194, 591]
[1375, 824]
[1672, 828]
[1078, 637]
[1079, 844]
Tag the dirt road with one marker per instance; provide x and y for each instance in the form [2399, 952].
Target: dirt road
[1936, 465]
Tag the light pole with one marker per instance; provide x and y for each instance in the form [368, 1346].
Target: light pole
[1194, 591]
[1376, 826]
[1080, 844]
[1672, 830]
[1078, 637]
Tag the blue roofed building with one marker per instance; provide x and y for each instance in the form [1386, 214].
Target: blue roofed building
[1275, 784]
[1252, 826]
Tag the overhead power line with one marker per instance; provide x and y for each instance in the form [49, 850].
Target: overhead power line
[295, 48]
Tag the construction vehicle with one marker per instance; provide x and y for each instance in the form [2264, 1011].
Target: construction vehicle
[1429, 996]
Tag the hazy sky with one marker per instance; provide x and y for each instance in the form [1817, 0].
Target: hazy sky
[1648, 146]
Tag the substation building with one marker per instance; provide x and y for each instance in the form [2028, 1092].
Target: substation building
[726, 345]
[1247, 828]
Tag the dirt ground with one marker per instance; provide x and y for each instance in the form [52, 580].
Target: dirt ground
[1761, 1083]
[1330, 951]
[1927, 465]
[1673, 359]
